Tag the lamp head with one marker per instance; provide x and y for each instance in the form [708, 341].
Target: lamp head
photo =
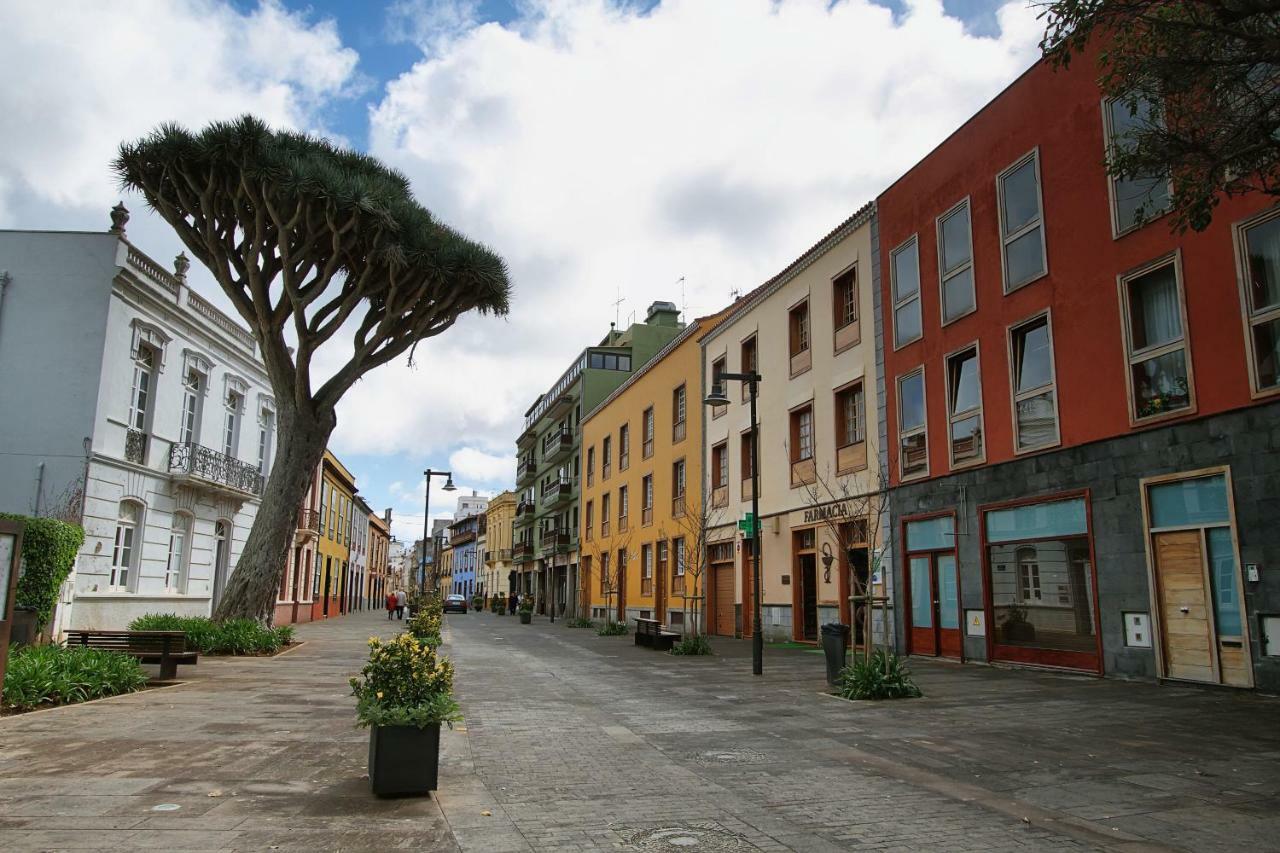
[449, 486]
[717, 396]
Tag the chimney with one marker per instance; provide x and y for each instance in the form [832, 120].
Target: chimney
[663, 314]
[386, 516]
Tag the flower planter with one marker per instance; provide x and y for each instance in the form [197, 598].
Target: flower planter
[525, 617]
[403, 760]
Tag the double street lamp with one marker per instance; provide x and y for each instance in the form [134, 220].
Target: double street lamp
[717, 398]
[426, 521]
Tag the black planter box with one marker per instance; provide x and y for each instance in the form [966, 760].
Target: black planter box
[403, 760]
[526, 618]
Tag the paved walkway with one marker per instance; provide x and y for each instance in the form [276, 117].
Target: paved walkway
[577, 742]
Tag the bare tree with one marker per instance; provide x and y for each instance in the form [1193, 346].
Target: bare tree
[607, 569]
[693, 522]
[307, 240]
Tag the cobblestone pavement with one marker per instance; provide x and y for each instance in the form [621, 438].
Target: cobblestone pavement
[578, 742]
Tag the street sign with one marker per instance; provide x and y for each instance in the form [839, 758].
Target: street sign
[746, 525]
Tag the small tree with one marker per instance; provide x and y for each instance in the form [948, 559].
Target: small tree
[607, 571]
[693, 522]
[1201, 79]
[307, 240]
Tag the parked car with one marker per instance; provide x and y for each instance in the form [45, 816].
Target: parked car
[455, 604]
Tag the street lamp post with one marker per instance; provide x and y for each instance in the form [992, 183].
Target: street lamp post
[426, 521]
[717, 398]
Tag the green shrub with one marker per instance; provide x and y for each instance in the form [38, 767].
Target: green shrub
[884, 676]
[49, 549]
[233, 637]
[580, 622]
[427, 622]
[612, 629]
[404, 684]
[56, 675]
[698, 645]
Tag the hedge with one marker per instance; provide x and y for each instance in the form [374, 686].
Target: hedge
[40, 676]
[232, 637]
[49, 549]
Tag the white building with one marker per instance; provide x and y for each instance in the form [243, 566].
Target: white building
[469, 505]
[127, 396]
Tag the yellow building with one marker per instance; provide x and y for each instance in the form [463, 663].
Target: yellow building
[643, 521]
[497, 548]
[444, 571]
[333, 553]
[379, 580]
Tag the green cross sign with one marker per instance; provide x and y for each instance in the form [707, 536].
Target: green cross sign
[748, 524]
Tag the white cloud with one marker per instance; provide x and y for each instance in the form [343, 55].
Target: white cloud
[604, 150]
[471, 464]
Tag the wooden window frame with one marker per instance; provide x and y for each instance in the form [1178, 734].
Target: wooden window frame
[799, 337]
[606, 457]
[624, 447]
[589, 520]
[604, 515]
[648, 422]
[922, 429]
[912, 242]
[1248, 316]
[1131, 357]
[953, 417]
[803, 470]
[1005, 239]
[591, 465]
[720, 466]
[1016, 396]
[679, 421]
[849, 453]
[624, 508]
[646, 500]
[678, 499]
[845, 334]
[718, 366]
[943, 275]
[745, 439]
[646, 568]
[743, 367]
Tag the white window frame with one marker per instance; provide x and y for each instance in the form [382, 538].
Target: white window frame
[175, 577]
[922, 429]
[1016, 396]
[152, 374]
[1108, 148]
[954, 416]
[266, 434]
[1005, 239]
[1131, 357]
[123, 576]
[946, 275]
[911, 243]
[1248, 316]
[192, 405]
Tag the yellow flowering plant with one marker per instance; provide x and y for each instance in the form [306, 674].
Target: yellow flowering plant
[404, 684]
[427, 622]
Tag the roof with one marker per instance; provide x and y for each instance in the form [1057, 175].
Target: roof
[860, 217]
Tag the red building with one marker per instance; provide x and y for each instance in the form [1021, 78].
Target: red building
[1081, 406]
[294, 601]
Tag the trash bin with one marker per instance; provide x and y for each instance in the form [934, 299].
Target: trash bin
[835, 638]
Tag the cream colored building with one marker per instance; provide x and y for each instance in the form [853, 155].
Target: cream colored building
[811, 333]
[497, 552]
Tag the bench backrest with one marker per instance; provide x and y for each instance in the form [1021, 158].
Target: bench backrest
[130, 641]
[648, 626]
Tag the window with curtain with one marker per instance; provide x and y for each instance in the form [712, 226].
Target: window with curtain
[1262, 298]
[1035, 395]
[1158, 365]
[955, 267]
[1022, 222]
[904, 267]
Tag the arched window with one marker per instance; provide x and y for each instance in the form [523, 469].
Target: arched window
[221, 558]
[175, 571]
[124, 554]
[144, 377]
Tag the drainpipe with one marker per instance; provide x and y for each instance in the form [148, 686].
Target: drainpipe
[5, 281]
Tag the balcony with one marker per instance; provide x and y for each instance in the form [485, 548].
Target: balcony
[197, 465]
[677, 432]
[558, 492]
[646, 516]
[557, 444]
[135, 446]
[525, 468]
[678, 506]
[522, 552]
[308, 526]
[555, 541]
[524, 507]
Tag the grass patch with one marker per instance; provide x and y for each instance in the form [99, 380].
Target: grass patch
[884, 676]
[698, 645]
[580, 622]
[233, 637]
[44, 676]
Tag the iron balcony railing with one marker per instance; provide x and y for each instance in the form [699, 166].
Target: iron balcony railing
[522, 552]
[526, 468]
[309, 521]
[135, 446]
[554, 540]
[199, 462]
[557, 442]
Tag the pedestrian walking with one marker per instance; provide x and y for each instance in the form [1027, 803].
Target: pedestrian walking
[512, 601]
[401, 600]
[391, 605]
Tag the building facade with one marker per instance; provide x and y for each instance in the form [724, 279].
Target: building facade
[810, 333]
[380, 581]
[499, 570]
[130, 403]
[464, 536]
[549, 458]
[295, 600]
[1081, 404]
[358, 565]
[333, 552]
[644, 516]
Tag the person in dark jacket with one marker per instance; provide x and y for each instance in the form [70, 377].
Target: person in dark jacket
[512, 600]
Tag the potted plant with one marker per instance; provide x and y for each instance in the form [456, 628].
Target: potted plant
[1016, 628]
[403, 695]
[495, 604]
[526, 609]
[427, 623]
[477, 602]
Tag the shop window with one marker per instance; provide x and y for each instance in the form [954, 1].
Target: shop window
[844, 309]
[1160, 379]
[1135, 199]
[955, 262]
[913, 447]
[904, 267]
[1035, 394]
[1022, 222]
[964, 402]
[1260, 244]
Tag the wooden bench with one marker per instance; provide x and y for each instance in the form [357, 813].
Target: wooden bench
[167, 648]
[652, 633]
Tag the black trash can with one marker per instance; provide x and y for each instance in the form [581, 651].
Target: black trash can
[835, 639]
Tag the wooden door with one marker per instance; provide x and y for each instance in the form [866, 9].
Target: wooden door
[723, 600]
[947, 608]
[933, 584]
[660, 581]
[922, 634]
[1186, 632]
[808, 597]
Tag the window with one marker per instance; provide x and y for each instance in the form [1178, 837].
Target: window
[1021, 222]
[745, 458]
[663, 561]
[720, 465]
[646, 429]
[128, 519]
[604, 573]
[624, 447]
[748, 364]
[677, 488]
[1035, 397]
[677, 545]
[1261, 293]
[955, 262]
[590, 518]
[803, 467]
[717, 369]
[175, 566]
[678, 402]
[913, 448]
[851, 428]
[646, 495]
[604, 514]
[1028, 576]
[606, 457]
[798, 337]
[624, 509]
[144, 367]
[844, 299]
[646, 569]
[904, 266]
[193, 384]
[964, 401]
[1159, 369]
[1135, 199]
[266, 434]
[231, 423]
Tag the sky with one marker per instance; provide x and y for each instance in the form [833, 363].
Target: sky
[633, 150]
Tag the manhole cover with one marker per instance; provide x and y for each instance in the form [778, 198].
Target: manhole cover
[728, 756]
[687, 836]
[166, 807]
